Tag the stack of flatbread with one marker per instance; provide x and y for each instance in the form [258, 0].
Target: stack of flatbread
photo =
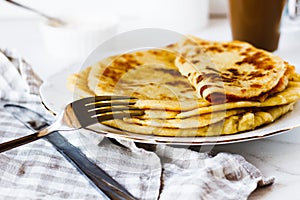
[195, 87]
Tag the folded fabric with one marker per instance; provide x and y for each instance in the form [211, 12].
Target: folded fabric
[38, 171]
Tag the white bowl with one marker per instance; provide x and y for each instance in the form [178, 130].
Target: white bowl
[80, 36]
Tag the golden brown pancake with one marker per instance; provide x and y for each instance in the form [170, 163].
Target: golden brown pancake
[230, 71]
[233, 124]
[172, 94]
[149, 74]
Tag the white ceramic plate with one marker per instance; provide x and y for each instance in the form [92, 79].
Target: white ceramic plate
[55, 96]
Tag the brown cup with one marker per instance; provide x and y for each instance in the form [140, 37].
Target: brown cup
[256, 22]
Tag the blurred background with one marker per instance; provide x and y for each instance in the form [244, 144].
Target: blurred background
[45, 47]
[132, 13]
[22, 30]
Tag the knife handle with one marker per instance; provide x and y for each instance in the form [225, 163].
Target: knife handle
[99, 177]
[19, 141]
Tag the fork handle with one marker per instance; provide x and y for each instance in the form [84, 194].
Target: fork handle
[18, 142]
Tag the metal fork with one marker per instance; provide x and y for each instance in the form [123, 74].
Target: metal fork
[81, 114]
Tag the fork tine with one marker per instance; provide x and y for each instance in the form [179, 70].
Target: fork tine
[105, 98]
[100, 104]
[102, 108]
[119, 115]
[101, 101]
[115, 112]
[96, 99]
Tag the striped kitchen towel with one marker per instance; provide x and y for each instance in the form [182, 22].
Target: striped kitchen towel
[38, 171]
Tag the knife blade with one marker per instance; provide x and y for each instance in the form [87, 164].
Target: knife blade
[96, 176]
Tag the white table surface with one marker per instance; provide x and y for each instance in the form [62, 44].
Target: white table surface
[275, 156]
